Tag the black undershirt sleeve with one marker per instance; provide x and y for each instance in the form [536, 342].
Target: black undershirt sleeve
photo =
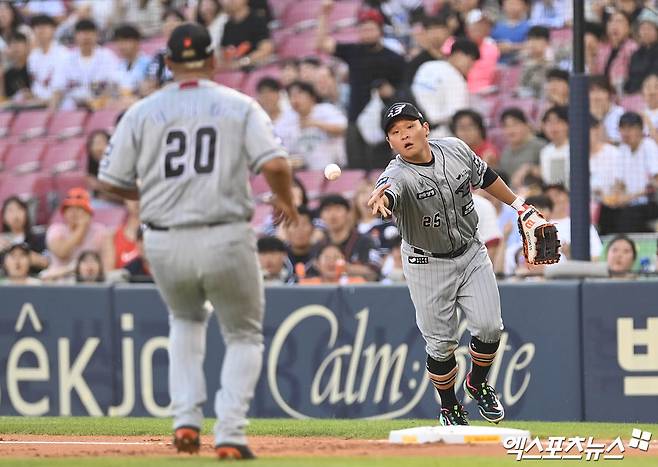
[489, 177]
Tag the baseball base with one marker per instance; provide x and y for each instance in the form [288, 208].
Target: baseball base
[454, 434]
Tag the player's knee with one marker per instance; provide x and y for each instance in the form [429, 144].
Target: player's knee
[490, 333]
[442, 350]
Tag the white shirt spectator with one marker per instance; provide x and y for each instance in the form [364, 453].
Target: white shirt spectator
[131, 78]
[600, 167]
[552, 13]
[488, 229]
[54, 8]
[440, 90]
[652, 115]
[42, 66]
[636, 169]
[564, 232]
[554, 164]
[82, 78]
[313, 144]
[611, 123]
[103, 12]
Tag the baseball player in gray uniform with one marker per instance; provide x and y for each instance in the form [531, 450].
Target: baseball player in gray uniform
[427, 188]
[186, 152]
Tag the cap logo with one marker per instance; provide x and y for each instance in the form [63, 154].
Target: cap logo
[187, 42]
[395, 110]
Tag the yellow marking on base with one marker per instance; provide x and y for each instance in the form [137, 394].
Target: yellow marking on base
[482, 438]
[409, 439]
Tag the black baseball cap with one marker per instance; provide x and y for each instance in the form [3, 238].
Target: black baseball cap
[189, 43]
[401, 110]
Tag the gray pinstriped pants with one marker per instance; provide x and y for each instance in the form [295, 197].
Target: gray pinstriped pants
[440, 286]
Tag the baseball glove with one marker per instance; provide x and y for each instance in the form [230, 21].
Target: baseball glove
[540, 241]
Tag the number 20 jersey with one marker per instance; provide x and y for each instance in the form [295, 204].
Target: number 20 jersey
[189, 147]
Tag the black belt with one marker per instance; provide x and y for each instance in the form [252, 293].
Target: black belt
[164, 229]
[453, 254]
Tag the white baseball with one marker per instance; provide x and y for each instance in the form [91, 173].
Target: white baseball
[332, 172]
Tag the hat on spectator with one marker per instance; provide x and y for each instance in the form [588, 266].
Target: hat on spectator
[189, 44]
[85, 25]
[370, 14]
[401, 110]
[648, 16]
[77, 197]
[334, 200]
[271, 244]
[17, 246]
[41, 20]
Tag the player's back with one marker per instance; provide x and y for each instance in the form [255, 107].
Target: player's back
[196, 142]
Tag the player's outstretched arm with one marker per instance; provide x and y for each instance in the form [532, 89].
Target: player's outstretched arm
[379, 201]
[279, 177]
[500, 190]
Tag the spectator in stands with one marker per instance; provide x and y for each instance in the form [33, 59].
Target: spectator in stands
[209, 14]
[560, 216]
[633, 176]
[554, 157]
[368, 61]
[271, 226]
[89, 268]
[556, 91]
[614, 57]
[144, 14]
[289, 71]
[594, 37]
[489, 232]
[362, 257]
[138, 268]
[17, 79]
[650, 96]
[392, 267]
[511, 30]
[381, 231]
[133, 64]
[435, 33]
[246, 40]
[268, 95]
[273, 258]
[468, 125]
[460, 9]
[440, 87]
[97, 142]
[53, 8]
[66, 240]
[89, 75]
[16, 265]
[621, 255]
[11, 22]
[535, 62]
[644, 60]
[601, 155]
[522, 147]
[326, 85]
[552, 13]
[301, 244]
[308, 67]
[482, 75]
[17, 228]
[158, 73]
[602, 106]
[123, 242]
[44, 57]
[632, 8]
[312, 131]
[332, 268]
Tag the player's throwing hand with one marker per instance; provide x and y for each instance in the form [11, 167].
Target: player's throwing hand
[379, 202]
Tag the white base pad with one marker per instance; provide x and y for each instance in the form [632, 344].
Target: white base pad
[454, 434]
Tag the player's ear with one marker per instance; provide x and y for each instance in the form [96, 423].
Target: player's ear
[427, 128]
[212, 62]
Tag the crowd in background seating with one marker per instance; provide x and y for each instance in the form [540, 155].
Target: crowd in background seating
[494, 73]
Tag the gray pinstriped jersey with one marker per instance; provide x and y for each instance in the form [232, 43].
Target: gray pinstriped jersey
[432, 204]
[191, 146]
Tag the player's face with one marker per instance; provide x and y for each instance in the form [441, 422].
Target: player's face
[17, 264]
[408, 137]
[620, 257]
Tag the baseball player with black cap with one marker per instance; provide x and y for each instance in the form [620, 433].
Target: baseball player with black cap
[427, 187]
[186, 152]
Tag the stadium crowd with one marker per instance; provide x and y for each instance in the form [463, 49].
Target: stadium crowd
[494, 73]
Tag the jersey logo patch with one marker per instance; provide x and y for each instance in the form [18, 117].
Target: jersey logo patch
[419, 260]
[464, 189]
[468, 208]
[426, 194]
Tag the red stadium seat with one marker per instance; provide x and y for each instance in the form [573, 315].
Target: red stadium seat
[302, 14]
[634, 103]
[259, 186]
[64, 156]
[110, 216]
[508, 78]
[30, 124]
[25, 157]
[299, 45]
[261, 211]
[344, 13]
[346, 36]
[4, 147]
[527, 104]
[102, 120]
[34, 187]
[5, 123]
[249, 85]
[279, 7]
[313, 181]
[64, 181]
[152, 45]
[497, 138]
[231, 79]
[65, 124]
[347, 183]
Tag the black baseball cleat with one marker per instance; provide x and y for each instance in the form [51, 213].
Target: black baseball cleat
[490, 407]
[228, 451]
[186, 439]
[456, 415]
